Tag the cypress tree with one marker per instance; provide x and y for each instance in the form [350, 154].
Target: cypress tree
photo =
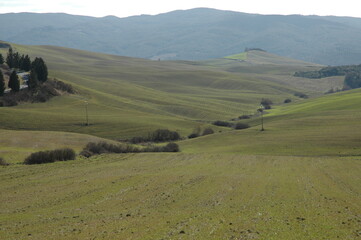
[2, 84]
[14, 82]
[21, 62]
[16, 60]
[10, 58]
[26, 63]
[1, 59]
[39, 66]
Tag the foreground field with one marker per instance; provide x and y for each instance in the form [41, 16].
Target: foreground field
[15, 146]
[183, 196]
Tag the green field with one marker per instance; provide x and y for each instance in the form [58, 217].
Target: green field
[208, 196]
[326, 126]
[130, 97]
[298, 179]
[240, 56]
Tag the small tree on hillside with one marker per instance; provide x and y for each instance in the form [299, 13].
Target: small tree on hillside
[10, 58]
[25, 63]
[16, 60]
[39, 66]
[1, 59]
[2, 83]
[266, 103]
[14, 82]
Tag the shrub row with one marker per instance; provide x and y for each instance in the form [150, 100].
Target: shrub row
[170, 147]
[91, 149]
[206, 131]
[160, 135]
[50, 156]
[222, 123]
[94, 148]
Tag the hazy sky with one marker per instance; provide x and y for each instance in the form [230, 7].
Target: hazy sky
[121, 8]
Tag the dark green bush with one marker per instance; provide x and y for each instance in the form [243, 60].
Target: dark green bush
[287, 100]
[239, 126]
[50, 156]
[207, 131]
[266, 101]
[222, 123]
[301, 95]
[193, 135]
[86, 153]
[171, 147]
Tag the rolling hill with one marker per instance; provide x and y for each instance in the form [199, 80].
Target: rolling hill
[193, 34]
[129, 96]
[325, 126]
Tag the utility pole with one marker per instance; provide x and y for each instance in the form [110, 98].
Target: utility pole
[86, 113]
[261, 111]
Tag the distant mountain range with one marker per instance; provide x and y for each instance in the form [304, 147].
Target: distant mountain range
[193, 34]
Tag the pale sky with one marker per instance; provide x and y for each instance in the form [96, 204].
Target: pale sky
[119, 8]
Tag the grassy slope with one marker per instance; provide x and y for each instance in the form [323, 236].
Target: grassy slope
[129, 97]
[210, 191]
[329, 125]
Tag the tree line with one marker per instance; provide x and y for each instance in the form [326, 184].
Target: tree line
[352, 74]
[15, 61]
